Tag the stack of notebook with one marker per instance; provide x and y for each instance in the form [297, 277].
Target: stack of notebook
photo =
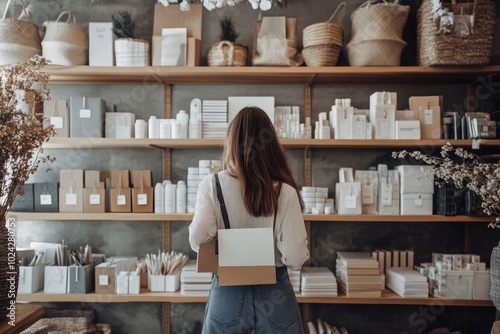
[358, 275]
[318, 282]
[407, 282]
[214, 118]
[294, 276]
[194, 283]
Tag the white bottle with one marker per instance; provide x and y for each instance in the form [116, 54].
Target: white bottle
[140, 128]
[324, 132]
[181, 197]
[165, 129]
[159, 201]
[195, 119]
[183, 119]
[175, 130]
[316, 130]
[170, 202]
[153, 127]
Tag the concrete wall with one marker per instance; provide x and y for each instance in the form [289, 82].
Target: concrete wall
[136, 239]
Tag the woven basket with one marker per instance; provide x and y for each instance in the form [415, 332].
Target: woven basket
[131, 52]
[375, 52]
[495, 276]
[436, 49]
[227, 53]
[65, 43]
[9, 272]
[19, 39]
[321, 55]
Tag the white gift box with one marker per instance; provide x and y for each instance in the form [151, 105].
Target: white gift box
[31, 278]
[122, 281]
[459, 284]
[408, 130]
[101, 43]
[56, 279]
[348, 198]
[388, 194]
[369, 190]
[416, 179]
[383, 114]
[341, 122]
[482, 284]
[134, 284]
[416, 204]
[119, 125]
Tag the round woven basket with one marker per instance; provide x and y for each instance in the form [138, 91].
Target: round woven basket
[382, 52]
[322, 33]
[227, 53]
[321, 55]
[9, 273]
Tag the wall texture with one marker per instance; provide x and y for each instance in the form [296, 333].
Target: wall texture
[136, 239]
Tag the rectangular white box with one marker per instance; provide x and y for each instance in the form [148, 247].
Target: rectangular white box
[55, 279]
[416, 179]
[236, 103]
[359, 127]
[459, 284]
[416, 204]
[156, 283]
[122, 284]
[369, 190]
[409, 130]
[341, 122]
[173, 282]
[134, 284]
[348, 195]
[101, 44]
[383, 114]
[173, 46]
[31, 278]
[482, 284]
[119, 125]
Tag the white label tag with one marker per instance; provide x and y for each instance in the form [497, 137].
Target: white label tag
[121, 200]
[386, 194]
[418, 202]
[428, 116]
[95, 199]
[71, 199]
[45, 200]
[367, 192]
[103, 280]
[350, 201]
[85, 113]
[384, 128]
[475, 144]
[57, 122]
[142, 199]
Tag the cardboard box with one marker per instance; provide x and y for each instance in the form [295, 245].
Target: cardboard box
[119, 125]
[430, 122]
[207, 260]
[105, 277]
[31, 278]
[56, 279]
[80, 278]
[101, 44]
[246, 256]
[142, 200]
[46, 197]
[121, 200]
[142, 178]
[416, 179]
[172, 17]
[193, 54]
[407, 130]
[71, 178]
[70, 200]
[26, 201]
[86, 117]
[416, 102]
[94, 200]
[56, 113]
[93, 179]
[416, 204]
[120, 179]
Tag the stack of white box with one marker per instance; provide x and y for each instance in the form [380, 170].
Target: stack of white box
[359, 275]
[194, 283]
[407, 282]
[318, 282]
[417, 188]
[287, 122]
[294, 276]
[194, 177]
[316, 200]
[214, 118]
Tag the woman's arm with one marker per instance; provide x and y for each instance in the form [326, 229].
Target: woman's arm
[203, 227]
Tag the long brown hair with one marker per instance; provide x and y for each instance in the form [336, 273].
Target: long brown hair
[253, 154]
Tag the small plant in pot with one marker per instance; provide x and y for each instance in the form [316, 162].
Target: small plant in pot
[129, 51]
[227, 52]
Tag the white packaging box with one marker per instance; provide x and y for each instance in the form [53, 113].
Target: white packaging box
[31, 278]
[134, 284]
[383, 114]
[409, 130]
[173, 282]
[369, 190]
[101, 44]
[119, 125]
[359, 127]
[156, 283]
[173, 47]
[56, 279]
[416, 179]
[416, 204]
[341, 122]
[459, 284]
[388, 193]
[122, 281]
[482, 284]
[348, 195]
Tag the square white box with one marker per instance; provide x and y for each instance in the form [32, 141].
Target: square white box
[56, 279]
[156, 283]
[31, 278]
[416, 204]
[408, 130]
[416, 179]
[173, 46]
[134, 284]
[172, 282]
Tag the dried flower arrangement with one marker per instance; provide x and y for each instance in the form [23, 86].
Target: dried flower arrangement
[465, 170]
[21, 134]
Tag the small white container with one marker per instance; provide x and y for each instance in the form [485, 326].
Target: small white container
[141, 129]
[165, 129]
[134, 284]
[156, 283]
[172, 282]
[122, 283]
[153, 127]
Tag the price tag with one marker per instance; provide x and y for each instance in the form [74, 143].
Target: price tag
[142, 199]
[386, 194]
[121, 200]
[71, 199]
[85, 113]
[103, 280]
[475, 144]
[57, 122]
[384, 128]
[350, 201]
[95, 199]
[428, 116]
[45, 200]
[418, 202]
[367, 192]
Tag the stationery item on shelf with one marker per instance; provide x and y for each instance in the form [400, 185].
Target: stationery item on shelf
[482, 285]
[416, 179]
[105, 277]
[122, 281]
[358, 275]
[24, 202]
[287, 122]
[478, 125]
[164, 270]
[236, 103]
[214, 118]
[383, 114]
[71, 191]
[141, 129]
[416, 204]
[46, 197]
[153, 128]
[194, 283]
[119, 125]
[369, 190]
[317, 282]
[173, 47]
[388, 194]
[101, 43]
[407, 282]
[56, 113]
[322, 130]
[407, 130]
[31, 271]
[120, 195]
[195, 119]
[94, 193]
[181, 205]
[316, 200]
[159, 199]
[348, 195]
[406, 115]
[86, 117]
[183, 120]
[341, 116]
[428, 109]
[142, 192]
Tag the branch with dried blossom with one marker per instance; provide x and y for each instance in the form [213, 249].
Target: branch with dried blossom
[465, 170]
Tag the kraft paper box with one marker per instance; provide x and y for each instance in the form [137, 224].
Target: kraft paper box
[430, 122]
[56, 279]
[93, 179]
[120, 178]
[142, 178]
[416, 102]
[56, 113]
[31, 278]
[121, 200]
[101, 43]
[119, 125]
[142, 200]
[86, 117]
[70, 199]
[172, 17]
[46, 197]
[416, 179]
[71, 178]
[25, 202]
[416, 204]
[80, 278]
[246, 256]
[94, 200]
[207, 260]
[105, 277]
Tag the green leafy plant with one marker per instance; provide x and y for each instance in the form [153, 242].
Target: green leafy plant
[123, 26]
[227, 33]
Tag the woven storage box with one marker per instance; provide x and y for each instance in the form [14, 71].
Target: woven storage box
[65, 43]
[435, 49]
[19, 39]
[227, 53]
[376, 52]
[322, 33]
[321, 55]
[131, 52]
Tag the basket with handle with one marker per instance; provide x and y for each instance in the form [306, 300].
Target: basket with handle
[226, 53]
[19, 39]
[65, 42]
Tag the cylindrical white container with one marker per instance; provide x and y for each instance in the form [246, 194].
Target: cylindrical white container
[153, 127]
[183, 119]
[159, 198]
[165, 132]
[170, 201]
[176, 129]
[181, 197]
[141, 128]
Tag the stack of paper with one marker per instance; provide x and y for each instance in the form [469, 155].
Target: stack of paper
[214, 118]
[294, 276]
[407, 282]
[358, 275]
[193, 283]
[318, 282]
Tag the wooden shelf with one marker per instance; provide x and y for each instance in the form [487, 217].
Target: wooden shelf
[388, 298]
[268, 75]
[90, 143]
[26, 315]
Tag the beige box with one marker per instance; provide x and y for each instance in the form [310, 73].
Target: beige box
[430, 122]
[142, 178]
[71, 178]
[70, 199]
[207, 260]
[193, 54]
[118, 203]
[93, 179]
[56, 113]
[105, 278]
[120, 179]
[142, 200]
[94, 200]
[172, 17]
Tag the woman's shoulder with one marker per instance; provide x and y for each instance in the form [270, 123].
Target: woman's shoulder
[287, 191]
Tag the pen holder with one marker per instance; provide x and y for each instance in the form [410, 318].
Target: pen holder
[172, 282]
[56, 279]
[134, 284]
[122, 285]
[156, 283]
[31, 278]
[80, 278]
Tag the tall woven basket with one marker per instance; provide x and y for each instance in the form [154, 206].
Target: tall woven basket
[495, 276]
[437, 49]
[9, 272]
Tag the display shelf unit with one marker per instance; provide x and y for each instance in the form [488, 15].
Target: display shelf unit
[388, 298]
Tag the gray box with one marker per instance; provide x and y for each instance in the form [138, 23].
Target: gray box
[86, 117]
[25, 202]
[81, 278]
[46, 197]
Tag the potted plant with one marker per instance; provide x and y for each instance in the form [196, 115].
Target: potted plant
[227, 52]
[129, 51]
